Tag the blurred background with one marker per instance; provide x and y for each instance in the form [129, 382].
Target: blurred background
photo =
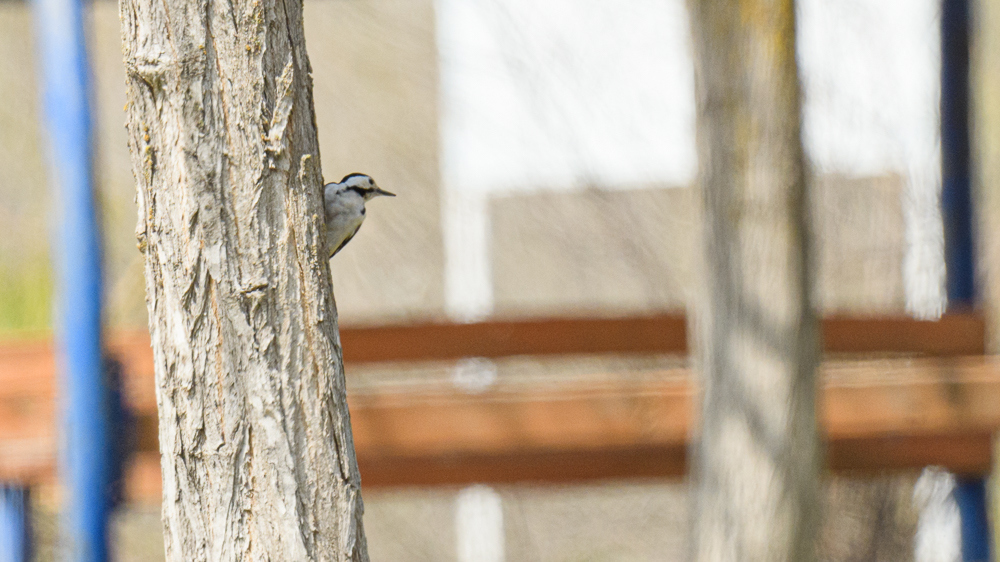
[544, 158]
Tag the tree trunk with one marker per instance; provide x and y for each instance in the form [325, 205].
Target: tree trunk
[756, 463]
[985, 83]
[255, 439]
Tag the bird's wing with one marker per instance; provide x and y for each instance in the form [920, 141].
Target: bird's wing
[346, 240]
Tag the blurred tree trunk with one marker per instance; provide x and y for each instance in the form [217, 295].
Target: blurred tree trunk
[985, 90]
[756, 462]
[985, 119]
[257, 456]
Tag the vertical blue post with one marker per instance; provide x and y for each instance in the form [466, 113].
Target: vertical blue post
[15, 524]
[970, 495]
[956, 192]
[956, 209]
[84, 461]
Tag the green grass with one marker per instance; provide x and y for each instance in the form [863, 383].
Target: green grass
[25, 298]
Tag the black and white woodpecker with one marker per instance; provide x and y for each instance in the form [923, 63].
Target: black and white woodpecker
[345, 208]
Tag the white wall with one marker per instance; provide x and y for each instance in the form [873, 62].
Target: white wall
[572, 94]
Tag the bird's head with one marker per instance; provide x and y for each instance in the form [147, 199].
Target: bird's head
[364, 185]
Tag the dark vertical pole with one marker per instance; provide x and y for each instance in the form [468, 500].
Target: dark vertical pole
[15, 524]
[956, 209]
[970, 495]
[84, 461]
[956, 192]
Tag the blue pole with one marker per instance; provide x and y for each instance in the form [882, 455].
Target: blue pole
[84, 462]
[970, 495]
[956, 189]
[15, 524]
[956, 209]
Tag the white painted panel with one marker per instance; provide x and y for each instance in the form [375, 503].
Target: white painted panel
[479, 525]
[565, 93]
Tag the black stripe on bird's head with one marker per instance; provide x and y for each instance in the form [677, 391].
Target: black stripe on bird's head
[364, 185]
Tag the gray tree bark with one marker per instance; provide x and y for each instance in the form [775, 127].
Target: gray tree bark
[255, 438]
[756, 460]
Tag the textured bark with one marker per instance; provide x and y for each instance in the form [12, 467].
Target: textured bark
[257, 456]
[757, 457]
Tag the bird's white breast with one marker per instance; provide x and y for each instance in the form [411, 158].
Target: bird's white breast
[345, 211]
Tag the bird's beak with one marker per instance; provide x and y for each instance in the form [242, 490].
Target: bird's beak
[380, 191]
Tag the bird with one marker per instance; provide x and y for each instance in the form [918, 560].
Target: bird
[344, 203]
